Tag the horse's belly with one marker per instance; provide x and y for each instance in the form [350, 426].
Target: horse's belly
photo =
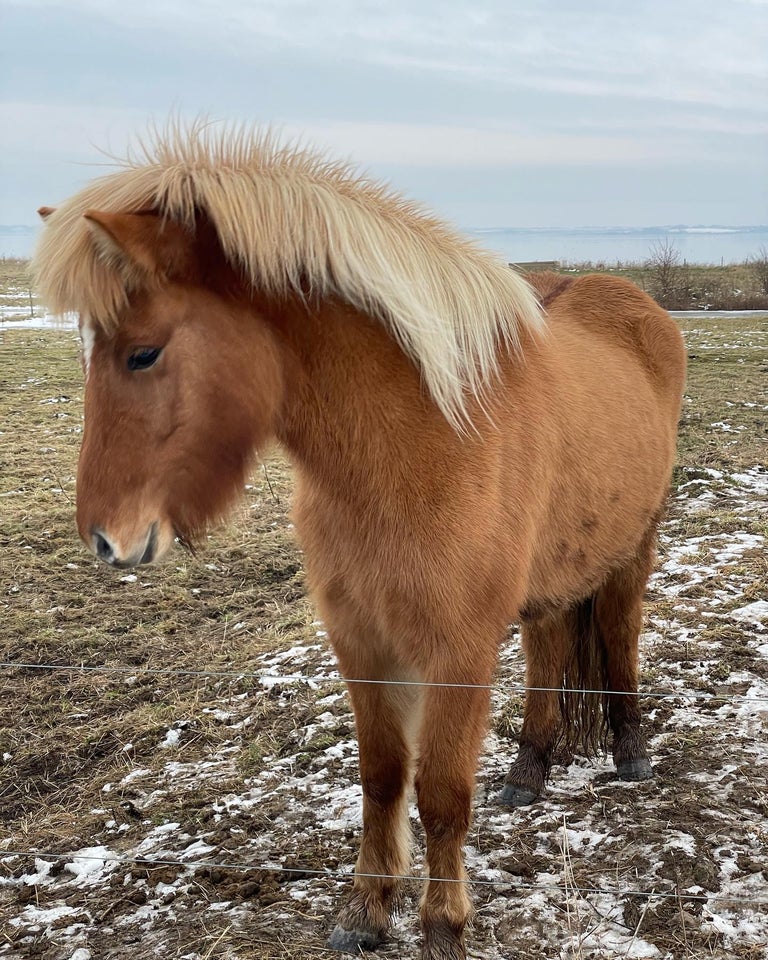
[601, 504]
[571, 563]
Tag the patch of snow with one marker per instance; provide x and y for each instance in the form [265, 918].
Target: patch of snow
[196, 850]
[38, 918]
[41, 876]
[346, 807]
[90, 865]
[166, 828]
[755, 613]
[172, 739]
[133, 775]
[218, 714]
[680, 841]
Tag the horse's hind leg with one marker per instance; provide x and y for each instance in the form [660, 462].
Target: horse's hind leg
[546, 641]
[619, 615]
[384, 715]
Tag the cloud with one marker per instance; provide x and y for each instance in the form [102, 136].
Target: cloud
[459, 146]
[444, 98]
[688, 52]
[82, 134]
[74, 132]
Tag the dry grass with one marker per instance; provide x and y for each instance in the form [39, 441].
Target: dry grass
[245, 593]
[735, 286]
[67, 737]
[17, 297]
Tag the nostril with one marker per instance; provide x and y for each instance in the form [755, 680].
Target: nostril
[102, 547]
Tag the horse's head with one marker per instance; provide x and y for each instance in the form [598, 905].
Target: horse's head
[179, 393]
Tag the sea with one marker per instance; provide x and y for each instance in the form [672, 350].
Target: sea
[624, 245]
[598, 245]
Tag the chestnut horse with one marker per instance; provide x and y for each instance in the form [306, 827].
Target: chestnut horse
[465, 457]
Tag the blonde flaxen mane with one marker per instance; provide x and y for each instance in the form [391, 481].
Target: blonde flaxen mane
[285, 217]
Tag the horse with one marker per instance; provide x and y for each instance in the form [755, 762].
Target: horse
[471, 448]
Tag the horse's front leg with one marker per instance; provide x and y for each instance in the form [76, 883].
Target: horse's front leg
[384, 715]
[453, 724]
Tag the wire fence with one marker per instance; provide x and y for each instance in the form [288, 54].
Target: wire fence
[568, 889]
[348, 873]
[270, 678]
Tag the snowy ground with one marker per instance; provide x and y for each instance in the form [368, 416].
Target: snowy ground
[243, 850]
[600, 866]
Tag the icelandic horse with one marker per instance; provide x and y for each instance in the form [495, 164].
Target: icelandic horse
[470, 449]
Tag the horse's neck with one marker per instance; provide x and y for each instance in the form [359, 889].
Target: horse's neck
[353, 401]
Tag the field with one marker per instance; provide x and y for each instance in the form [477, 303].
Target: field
[177, 755]
[687, 286]
[677, 285]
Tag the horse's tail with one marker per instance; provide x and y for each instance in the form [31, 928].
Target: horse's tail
[583, 701]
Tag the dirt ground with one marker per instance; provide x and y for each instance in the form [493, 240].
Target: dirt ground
[169, 789]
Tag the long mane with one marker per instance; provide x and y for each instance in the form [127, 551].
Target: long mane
[287, 217]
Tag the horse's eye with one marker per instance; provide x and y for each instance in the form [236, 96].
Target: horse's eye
[143, 358]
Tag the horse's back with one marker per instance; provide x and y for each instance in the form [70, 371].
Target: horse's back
[548, 285]
[619, 314]
[612, 359]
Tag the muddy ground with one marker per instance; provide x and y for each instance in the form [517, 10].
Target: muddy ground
[158, 760]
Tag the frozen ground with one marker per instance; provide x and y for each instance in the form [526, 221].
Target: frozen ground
[623, 868]
[231, 831]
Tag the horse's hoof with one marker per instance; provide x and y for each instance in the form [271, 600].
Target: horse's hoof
[352, 941]
[639, 769]
[443, 941]
[512, 796]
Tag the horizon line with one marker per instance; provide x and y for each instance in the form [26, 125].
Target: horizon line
[582, 226]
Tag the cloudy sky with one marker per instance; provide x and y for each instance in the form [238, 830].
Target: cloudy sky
[501, 113]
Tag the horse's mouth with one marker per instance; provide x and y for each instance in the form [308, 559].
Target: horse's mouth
[147, 556]
[151, 548]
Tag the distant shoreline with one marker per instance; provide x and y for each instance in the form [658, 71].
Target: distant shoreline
[715, 244]
[623, 246]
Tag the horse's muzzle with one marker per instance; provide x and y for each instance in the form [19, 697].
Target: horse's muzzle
[106, 550]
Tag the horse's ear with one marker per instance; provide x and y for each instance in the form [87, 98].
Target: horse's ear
[146, 240]
[45, 212]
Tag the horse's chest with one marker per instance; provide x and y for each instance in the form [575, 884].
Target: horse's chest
[400, 577]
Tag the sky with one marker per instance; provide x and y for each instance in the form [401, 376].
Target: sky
[516, 114]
